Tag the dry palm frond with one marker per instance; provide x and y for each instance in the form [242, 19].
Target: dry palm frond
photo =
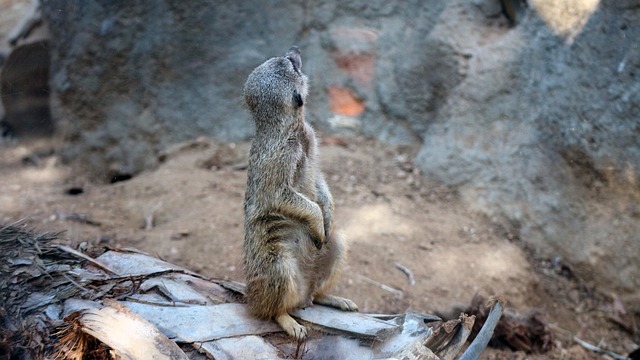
[75, 344]
[129, 305]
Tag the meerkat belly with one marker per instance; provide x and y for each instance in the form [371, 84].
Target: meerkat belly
[293, 241]
[290, 233]
[307, 259]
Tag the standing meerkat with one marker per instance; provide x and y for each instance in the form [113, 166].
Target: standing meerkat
[292, 254]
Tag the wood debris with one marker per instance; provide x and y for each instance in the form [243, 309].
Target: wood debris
[528, 333]
[129, 335]
[64, 303]
[396, 292]
[598, 350]
[408, 272]
[77, 217]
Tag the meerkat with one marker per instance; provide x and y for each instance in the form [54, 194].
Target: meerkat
[292, 254]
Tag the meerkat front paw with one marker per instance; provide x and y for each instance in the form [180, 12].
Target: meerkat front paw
[319, 236]
[336, 302]
[327, 230]
[291, 326]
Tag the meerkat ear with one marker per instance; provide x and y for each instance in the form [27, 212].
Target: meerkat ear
[294, 56]
[297, 99]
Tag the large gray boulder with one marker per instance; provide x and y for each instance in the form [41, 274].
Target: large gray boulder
[130, 78]
[544, 132]
[24, 72]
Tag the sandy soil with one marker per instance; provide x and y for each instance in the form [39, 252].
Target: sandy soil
[189, 211]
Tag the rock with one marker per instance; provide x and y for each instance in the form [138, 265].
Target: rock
[130, 79]
[25, 90]
[24, 77]
[535, 124]
[543, 131]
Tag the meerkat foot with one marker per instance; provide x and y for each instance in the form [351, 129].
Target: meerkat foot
[291, 326]
[336, 302]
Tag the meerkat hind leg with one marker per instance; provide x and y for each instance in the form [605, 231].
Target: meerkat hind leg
[291, 326]
[336, 302]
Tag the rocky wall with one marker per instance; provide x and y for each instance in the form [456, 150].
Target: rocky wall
[544, 132]
[535, 124]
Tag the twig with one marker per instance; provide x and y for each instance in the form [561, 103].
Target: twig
[598, 350]
[81, 218]
[148, 222]
[16, 223]
[149, 219]
[397, 292]
[85, 257]
[146, 276]
[86, 291]
[301, 349]
[155, 303]
[408, 272]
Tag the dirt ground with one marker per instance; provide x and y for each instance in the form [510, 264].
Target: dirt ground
[189, 211]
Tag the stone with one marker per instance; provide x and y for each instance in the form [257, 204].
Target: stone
[24, 76]
[543, 132]
[535, 124]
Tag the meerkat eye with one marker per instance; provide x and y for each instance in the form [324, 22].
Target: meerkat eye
[297, 99]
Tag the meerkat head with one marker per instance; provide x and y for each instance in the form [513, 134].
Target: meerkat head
[277, 89]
